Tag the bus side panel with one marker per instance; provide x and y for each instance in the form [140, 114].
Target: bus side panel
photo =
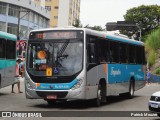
[9, 72]
[94, 75]
[119, 76]
[2, 72]
[92, 83]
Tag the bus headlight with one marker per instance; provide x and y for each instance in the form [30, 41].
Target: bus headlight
[28, 84]
[78, 84]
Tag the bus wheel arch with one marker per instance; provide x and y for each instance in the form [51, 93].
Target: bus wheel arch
[101, 92]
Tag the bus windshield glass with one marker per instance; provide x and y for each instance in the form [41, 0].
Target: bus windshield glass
[55, 57]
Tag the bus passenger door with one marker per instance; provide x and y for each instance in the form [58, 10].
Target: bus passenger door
[92, 71]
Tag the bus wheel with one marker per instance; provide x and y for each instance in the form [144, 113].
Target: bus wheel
[51, 102]
[131, 90]
[99, 96]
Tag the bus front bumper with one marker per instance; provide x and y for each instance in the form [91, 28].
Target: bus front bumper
[58, 94]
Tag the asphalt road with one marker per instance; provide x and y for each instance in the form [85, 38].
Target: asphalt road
[17, 102]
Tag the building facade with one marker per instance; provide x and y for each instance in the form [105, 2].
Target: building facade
[63, 12]
[32, 16]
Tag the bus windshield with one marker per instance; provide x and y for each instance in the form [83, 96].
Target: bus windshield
[63, 57]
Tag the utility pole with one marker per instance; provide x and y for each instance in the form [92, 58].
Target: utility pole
[19, 18]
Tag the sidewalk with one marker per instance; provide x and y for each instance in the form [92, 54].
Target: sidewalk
[152, 84]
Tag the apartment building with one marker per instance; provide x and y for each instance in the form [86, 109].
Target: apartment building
[32, 16]
[63, 12]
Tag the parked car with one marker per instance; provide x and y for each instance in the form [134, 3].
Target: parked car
[154, 103]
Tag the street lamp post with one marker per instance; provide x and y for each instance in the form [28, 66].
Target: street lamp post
[140, 32]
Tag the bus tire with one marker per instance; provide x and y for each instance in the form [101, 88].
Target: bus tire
[50, 102]
[130, 94]
[101, 95]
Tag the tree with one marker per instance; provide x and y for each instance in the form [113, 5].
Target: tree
[77, 23]
[146, 17]
[96, 27]
[152, 45]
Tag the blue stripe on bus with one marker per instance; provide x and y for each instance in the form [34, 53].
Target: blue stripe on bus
[58, 86]
[124, 40]
[118, 73]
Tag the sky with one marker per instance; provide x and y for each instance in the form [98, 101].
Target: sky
[99, 12]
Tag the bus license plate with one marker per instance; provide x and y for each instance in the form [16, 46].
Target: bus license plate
[52, 97]
[154, 105]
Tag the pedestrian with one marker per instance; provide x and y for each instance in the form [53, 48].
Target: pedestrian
[17, 81]
[149, 76]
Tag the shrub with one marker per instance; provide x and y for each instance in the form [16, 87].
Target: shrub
[157, 71]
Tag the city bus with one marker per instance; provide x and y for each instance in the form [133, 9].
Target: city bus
[7, 58]
[82, 64]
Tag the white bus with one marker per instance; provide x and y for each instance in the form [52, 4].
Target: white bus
[79, 63]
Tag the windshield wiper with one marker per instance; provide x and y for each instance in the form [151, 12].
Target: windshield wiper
[60, 54]
[64, 46]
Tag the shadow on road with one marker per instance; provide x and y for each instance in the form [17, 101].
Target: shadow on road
[81, 104]
[3, 94]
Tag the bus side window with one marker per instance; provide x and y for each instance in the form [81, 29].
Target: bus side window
[2, 48]
[91, 53]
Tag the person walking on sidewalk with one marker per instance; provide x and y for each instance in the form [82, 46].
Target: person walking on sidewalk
[17, 81]
[149, 77]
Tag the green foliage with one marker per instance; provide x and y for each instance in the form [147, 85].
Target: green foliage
[146, 17]
[153, 40]
[77, 23]
[151, 57]
[96, 27]
[157, 71]
[152, 45]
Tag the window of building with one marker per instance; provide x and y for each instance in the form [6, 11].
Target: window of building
[55, 17]
[12, 28]
[13, 11]
[36, 19]
[32, 16]
[48, 8]
[3, 8]
[2, 26]
[40, 21]
[56, 7]
[48, 0]
[23, 32]
[24, 15]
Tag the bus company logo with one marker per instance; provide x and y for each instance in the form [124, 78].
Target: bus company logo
[115, 72]
[6, 114]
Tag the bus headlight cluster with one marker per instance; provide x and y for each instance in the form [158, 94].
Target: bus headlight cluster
[78, 84]
[28, 84]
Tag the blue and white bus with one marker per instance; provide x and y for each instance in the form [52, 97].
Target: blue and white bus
[79, 63]
[7, 58]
